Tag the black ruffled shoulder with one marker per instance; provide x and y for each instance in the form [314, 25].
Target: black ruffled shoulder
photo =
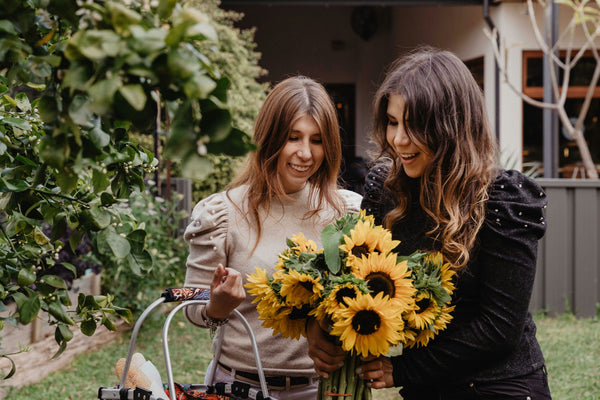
[377, 200]
[516, 205]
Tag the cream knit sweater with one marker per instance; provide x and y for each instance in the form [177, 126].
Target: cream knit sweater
[218, 233]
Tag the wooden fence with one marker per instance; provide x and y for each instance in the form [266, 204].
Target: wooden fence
[568, 271]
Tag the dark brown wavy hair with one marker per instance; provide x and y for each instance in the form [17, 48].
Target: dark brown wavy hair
[444, 111]
[290, 100]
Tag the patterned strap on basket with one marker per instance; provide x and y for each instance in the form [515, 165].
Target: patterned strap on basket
[181, 294]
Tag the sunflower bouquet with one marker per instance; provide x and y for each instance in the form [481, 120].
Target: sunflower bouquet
[372, 298]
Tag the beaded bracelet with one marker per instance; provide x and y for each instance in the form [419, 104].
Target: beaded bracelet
[212, 323]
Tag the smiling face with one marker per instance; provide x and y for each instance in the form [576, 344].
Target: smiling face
[302, 154]
[413, 156]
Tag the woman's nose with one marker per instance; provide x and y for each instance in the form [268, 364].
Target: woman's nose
[304, 152]
[401, 138]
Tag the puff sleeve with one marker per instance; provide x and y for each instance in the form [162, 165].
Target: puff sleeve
[206, 235]
[351, 201]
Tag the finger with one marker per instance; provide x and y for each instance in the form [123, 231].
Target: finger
[217, 276]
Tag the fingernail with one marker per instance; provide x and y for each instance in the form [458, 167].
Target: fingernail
[341, 364]
[369, 384]
[361, 375]
[324, 375]
[358, 370]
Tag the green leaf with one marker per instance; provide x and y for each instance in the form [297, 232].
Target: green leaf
[7, 27]
[165, 8]
[102, 94]
[76, 77]
[67, 180]
[55, 281]
[196, 167]
[17, 122]
[124, 313]
[13, 368]
[108, 324]
[39, 237]
[121, 16]
[97, 44]
[107, 199]
[201, 31]
[100, 217]
[137, 240]
[29, 309]
[237, 143]
[216, 124]
[79, 111]
[57, 311]
[61, 349]
[331, 237]
[23, 102]
[70, 266]
[26, 277]
[139, 262]
[135, 96]
[100, 182]
[13, 185]
[63, 333]
[198, 86]
[48, 108]
[88, 327]
[117, 244]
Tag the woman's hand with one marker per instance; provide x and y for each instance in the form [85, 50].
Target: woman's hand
[226, 293]
[326, 355]
[377, 371]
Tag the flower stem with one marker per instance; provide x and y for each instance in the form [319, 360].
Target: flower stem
[343, 381]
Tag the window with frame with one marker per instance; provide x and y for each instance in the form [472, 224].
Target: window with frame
[569, 158]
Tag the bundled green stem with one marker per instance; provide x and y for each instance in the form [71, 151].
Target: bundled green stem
[344, 383]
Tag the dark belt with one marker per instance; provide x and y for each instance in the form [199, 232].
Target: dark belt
[273, 382]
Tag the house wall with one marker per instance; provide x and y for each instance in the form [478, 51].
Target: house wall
[318, 41]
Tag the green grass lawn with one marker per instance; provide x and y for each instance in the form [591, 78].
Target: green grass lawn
[571, 347]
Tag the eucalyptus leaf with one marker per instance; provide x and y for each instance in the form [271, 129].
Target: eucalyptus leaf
[331, 237]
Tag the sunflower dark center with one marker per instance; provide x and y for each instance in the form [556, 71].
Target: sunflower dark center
[423, 304]
[378, 282]
[308, 285]
[344, 292]
[366, 322]
[360, 250]
[299, 313]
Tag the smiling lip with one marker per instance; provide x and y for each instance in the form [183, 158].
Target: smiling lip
[408, 157]
[300, 168]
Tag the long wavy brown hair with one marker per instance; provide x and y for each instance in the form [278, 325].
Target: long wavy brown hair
[445, 112]
[288, 101]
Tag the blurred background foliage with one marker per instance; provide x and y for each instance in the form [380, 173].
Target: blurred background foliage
[93, 94]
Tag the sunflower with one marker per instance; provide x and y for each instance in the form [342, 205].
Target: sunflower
[258, 284]
[369, 325]
[300, 244]
[443, 318]
[300, 288]
[424, 314]
[362, 216]
[362, 240]
[334, 295]
[384, 275]
[290, 322]
[447, 273]
[421, 338]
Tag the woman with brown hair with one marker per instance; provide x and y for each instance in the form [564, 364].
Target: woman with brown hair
[288, 186]
[436, 186]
